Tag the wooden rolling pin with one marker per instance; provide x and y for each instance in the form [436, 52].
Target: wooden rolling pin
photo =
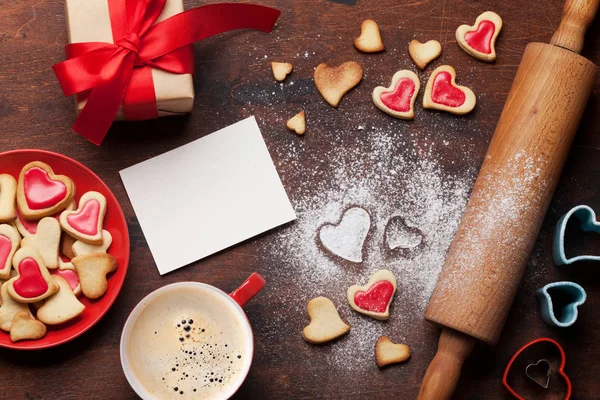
[520, 171]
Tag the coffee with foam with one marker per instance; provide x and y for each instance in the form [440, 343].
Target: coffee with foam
[188, 342]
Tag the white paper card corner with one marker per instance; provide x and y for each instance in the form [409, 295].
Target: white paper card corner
[207, 195]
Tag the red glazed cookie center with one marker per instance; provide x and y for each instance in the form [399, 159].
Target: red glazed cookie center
[444, 93]
[86, 221]
[481, 38]
[31, 283]
[376, 299]
[40, 191]
[400, 98]
[5, 249]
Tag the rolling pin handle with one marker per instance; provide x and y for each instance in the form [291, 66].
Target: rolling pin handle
[576, 18]
[443, 373]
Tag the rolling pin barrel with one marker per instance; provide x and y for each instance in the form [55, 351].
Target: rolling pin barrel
[510, 197]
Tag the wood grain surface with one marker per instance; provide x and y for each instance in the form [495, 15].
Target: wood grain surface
[233, 81]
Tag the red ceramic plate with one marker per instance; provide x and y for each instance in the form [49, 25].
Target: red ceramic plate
[85, 180]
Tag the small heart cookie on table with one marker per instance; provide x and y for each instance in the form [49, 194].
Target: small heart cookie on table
[25, 326]
[92, 270]
[442, 92]
[41, 193]
[46, 241]
[388, 352]
[325, 322]
[33, 281]
[369, 40]
[297, 123]
[374, 298]
[85, 223]
[334, 82]
[8, 195]
[479, 40]
[424, 53]
[398, 100]
[281, 70]
[9, 243]
[61, 307]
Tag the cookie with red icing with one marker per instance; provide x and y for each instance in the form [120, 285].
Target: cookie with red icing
[33, 281]
[479, 40]
[8, 195]
[85, 223]
[398, 99]
[9, 243]
[40, 192]
[69, 275]
[442, 92]
[374, 298]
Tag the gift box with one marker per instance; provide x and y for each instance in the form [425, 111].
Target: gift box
[133, 59]
[89, 21]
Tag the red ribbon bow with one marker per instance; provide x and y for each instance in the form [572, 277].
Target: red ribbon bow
[121, 73]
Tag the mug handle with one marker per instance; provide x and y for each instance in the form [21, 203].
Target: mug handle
[248, 289]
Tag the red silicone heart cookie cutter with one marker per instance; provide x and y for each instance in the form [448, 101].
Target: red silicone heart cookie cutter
[561, 372]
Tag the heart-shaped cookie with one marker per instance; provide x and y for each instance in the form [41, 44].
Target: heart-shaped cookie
[33, 281]
[424, 53]
[69, 275]
[587, 222]
[24, 326]
[80, 248]
[9, 308]
[85, 223]
[559, 301]
[61, 307]
[561, 368]
[8, 195]
[374, 298]
[41, 193]
[388, 352]
[369, 40]
[346, 239]
[297, 123]
[281, 70]
[539, 373]
[479, 40]
[46, 241]
[398, 99]
[92, 270]
[442, 92]
[9, 243]
[325, 322]
[334, 82]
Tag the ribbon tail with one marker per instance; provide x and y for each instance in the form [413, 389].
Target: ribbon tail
[103, 104]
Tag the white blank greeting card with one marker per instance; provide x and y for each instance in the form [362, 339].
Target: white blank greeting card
[207, 195]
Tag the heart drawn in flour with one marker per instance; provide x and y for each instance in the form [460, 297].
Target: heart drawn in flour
[346, 239]
[399, 236]
[398, 99]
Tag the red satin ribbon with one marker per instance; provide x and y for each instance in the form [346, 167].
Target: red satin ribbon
[121, 73]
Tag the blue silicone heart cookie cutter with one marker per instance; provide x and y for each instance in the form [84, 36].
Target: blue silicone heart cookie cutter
[587, 222]
[564, 314]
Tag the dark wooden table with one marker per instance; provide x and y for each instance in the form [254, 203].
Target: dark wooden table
[233, 81]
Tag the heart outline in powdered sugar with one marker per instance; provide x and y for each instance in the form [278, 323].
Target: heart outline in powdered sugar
[346, 239]
[414, 237]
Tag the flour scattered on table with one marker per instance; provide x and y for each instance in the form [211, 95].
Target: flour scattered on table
[346, 239]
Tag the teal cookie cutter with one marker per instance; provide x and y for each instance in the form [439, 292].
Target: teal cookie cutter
[587, 222]
[565, 314]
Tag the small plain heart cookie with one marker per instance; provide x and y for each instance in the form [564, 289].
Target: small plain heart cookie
[369, 40]
[479, 40]
[334, 82]
[41, 193]
[325, 322]
[281, 70]
[442, 92]
[374, 298]
[33, 281]
[424, 53]
[297, 123]
[387, 352]
[46, 241]
[80, 248]
[9, 243]
[8, 196]
[24, 326]
[92, 270]
[85, 223]
[9, 308]
[61, 307]
[398, 99]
